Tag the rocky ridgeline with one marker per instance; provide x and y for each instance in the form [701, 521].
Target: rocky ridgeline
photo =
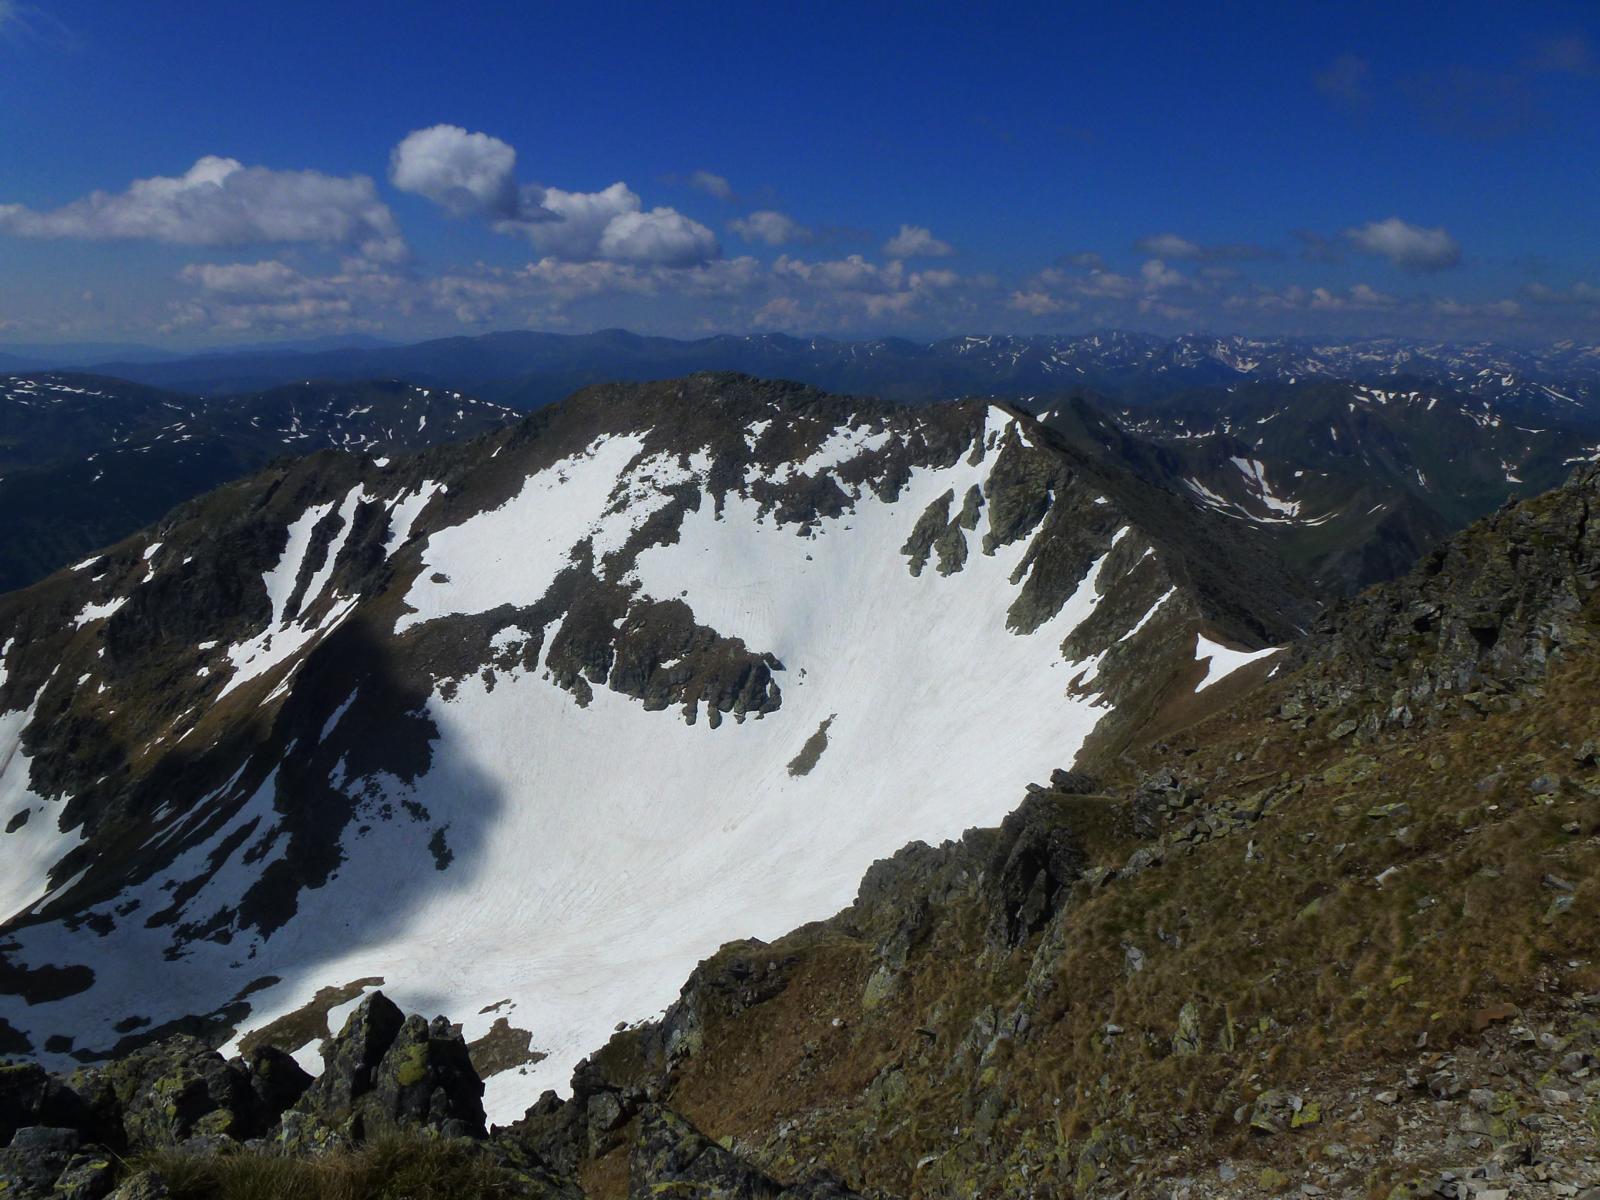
[1480, 619]
[385, 1075]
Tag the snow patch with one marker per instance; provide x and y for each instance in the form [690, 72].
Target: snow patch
[1221, 661]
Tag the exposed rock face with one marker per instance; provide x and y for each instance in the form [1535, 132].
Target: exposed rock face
[1036, 861]
[385, 1072]
[173, 1090]
[350, 1060]
[44, 1163]
[277, 1080]
[1488, 611]
[426, 1079]
[672, 1157]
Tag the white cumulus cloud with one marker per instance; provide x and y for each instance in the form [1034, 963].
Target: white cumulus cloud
[1406, 245]
[222, 202]
[915, 241]
[1038, 303]
[272, 296]
[474, 174]
[1169, 245]
[613, 225]
[466, 174]
[770, 227]
[663, 236]
[1158, 277]
[1579, 293]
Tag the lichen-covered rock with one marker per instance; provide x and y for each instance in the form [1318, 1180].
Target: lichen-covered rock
[518, 1157]
[350, 1059]
[550, 1131]
[175, 1089]
[146, 1185]
[1189, 1037]
[425, 1079]
[276, 1079]
[88, 1176]
[673, 1158]
[386, 1072]
[45, 1162]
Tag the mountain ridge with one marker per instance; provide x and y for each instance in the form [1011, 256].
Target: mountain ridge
[340, 678]
[1228, 961]
[529, 368]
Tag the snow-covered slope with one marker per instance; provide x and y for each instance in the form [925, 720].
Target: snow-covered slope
[526, 727]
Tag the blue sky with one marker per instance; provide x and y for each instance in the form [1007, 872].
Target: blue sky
[851, 169]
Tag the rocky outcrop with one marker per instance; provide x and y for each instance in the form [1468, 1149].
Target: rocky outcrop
[672, 1157]
[44, 1163]
[385, 1075]
[386, 1072]
[1484, 613]
[172, 1091]
[30, 1095]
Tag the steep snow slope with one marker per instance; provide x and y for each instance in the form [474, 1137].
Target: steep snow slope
[525, 728]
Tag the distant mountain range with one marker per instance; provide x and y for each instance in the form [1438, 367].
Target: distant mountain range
[1349, 482]
[85, 460]
[528, 370]
[60, 356]
[1347, 459]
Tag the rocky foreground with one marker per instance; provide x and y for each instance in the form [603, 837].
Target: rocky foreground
[155, 1123]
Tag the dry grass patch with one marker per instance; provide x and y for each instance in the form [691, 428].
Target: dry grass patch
[406, 1168]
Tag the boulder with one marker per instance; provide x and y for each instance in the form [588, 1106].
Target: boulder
[1073, 783]
[146, 1185]
[1189, 1037]
[87, 1176]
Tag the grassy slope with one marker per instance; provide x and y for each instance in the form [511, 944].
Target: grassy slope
[1271, 958]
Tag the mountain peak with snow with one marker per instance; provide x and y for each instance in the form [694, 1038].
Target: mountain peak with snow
[524, 727]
